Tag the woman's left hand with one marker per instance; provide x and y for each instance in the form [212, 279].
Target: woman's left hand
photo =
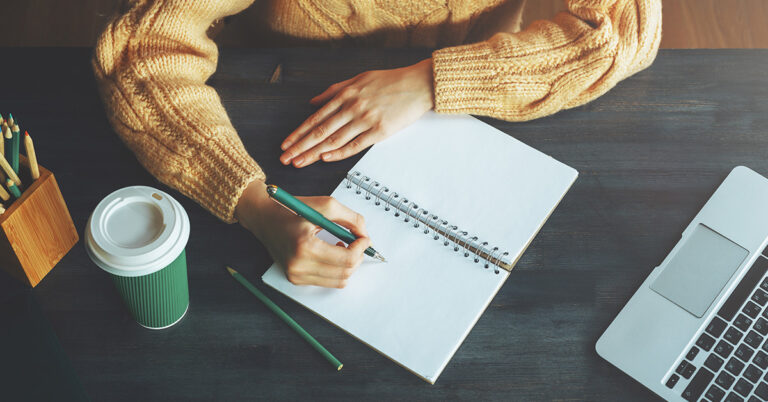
[359, 112]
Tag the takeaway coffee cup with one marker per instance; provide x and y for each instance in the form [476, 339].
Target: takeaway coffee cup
[138, 235]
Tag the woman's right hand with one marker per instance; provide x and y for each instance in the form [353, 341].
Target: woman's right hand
[292, 240]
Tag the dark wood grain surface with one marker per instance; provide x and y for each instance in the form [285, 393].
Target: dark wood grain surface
[649, 153]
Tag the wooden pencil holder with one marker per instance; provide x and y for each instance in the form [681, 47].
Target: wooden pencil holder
[36, 230]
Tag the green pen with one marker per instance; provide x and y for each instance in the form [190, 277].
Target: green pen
[305, 211]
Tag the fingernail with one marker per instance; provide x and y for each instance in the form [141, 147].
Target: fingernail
[326, 157]
[298, 161]
[285, 159]
[284, 146]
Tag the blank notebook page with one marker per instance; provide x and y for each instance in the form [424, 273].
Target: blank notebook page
[419, 306]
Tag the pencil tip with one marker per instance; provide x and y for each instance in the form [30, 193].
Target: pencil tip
[231, 271]
[26, 134]
[339, 368]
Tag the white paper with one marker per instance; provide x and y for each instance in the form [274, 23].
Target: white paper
[419, 306]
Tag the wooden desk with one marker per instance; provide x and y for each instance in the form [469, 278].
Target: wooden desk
[649, 154]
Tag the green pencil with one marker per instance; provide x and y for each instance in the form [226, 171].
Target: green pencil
[287, 319]
[12, 188]
[16, 141]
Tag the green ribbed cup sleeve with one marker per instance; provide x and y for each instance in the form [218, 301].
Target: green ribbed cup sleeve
[157, 300]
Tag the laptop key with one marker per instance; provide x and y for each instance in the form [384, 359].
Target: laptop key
[692, 353]
[716, 327]
[734, 365]
[732, 397]
[714, 394]
[733, 335]
[743, 387]
[752, 373]
[761, 326]
[751, 309]
[685, 369]
[764, 285]
[760, 297]
[697, 385]
[762, 390]
[713, 362]
[705, 342]
[672, 380]
[744, 352]
[724, 349]
[752, 399]
[761, 360]
[742, 322]
[724, 380]
[753, 339]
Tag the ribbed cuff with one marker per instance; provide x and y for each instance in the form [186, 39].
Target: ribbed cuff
[465, 79]
[223, 170]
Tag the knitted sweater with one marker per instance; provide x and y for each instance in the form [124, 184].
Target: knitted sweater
[152, 62]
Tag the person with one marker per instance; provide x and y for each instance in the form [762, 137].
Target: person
[153, 59]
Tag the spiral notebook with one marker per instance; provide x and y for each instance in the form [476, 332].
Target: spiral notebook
[452, 203]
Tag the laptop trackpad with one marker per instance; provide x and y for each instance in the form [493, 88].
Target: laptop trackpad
[699, 270]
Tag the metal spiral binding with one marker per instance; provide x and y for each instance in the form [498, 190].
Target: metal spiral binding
[418, 217]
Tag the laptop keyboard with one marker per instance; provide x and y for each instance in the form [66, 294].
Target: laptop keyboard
[729, 361]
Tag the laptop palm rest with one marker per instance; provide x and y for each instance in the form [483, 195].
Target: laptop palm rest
[697, 273]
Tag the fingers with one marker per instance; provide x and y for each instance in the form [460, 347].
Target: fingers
[311, 122]
[335, 141]
[341, 259]
[317, 135]
[354, 146]
[328, 265]
[318, 116]
[344, 216]
[331, 92]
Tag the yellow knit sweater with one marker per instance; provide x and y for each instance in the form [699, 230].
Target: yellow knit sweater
[153, 60]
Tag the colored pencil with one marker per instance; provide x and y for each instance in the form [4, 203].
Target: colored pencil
[30, 147]
[11, 122]
[15, 152]
[9, 173]
[2, 209]
[13, 189]
[287, 319]
[4, 194]
[7, 141]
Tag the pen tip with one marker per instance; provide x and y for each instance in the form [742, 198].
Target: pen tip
[231, 271]
[380, 257]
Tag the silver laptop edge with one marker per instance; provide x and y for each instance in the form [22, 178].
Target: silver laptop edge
[666, 315]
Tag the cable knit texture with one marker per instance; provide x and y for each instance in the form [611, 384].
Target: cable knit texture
[153, 60]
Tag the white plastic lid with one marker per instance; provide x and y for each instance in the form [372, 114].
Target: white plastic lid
[136, 231]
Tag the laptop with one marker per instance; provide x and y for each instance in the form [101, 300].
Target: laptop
[697, 329]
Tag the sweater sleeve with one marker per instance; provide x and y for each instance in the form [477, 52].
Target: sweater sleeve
[551, 65]
[151, 64]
